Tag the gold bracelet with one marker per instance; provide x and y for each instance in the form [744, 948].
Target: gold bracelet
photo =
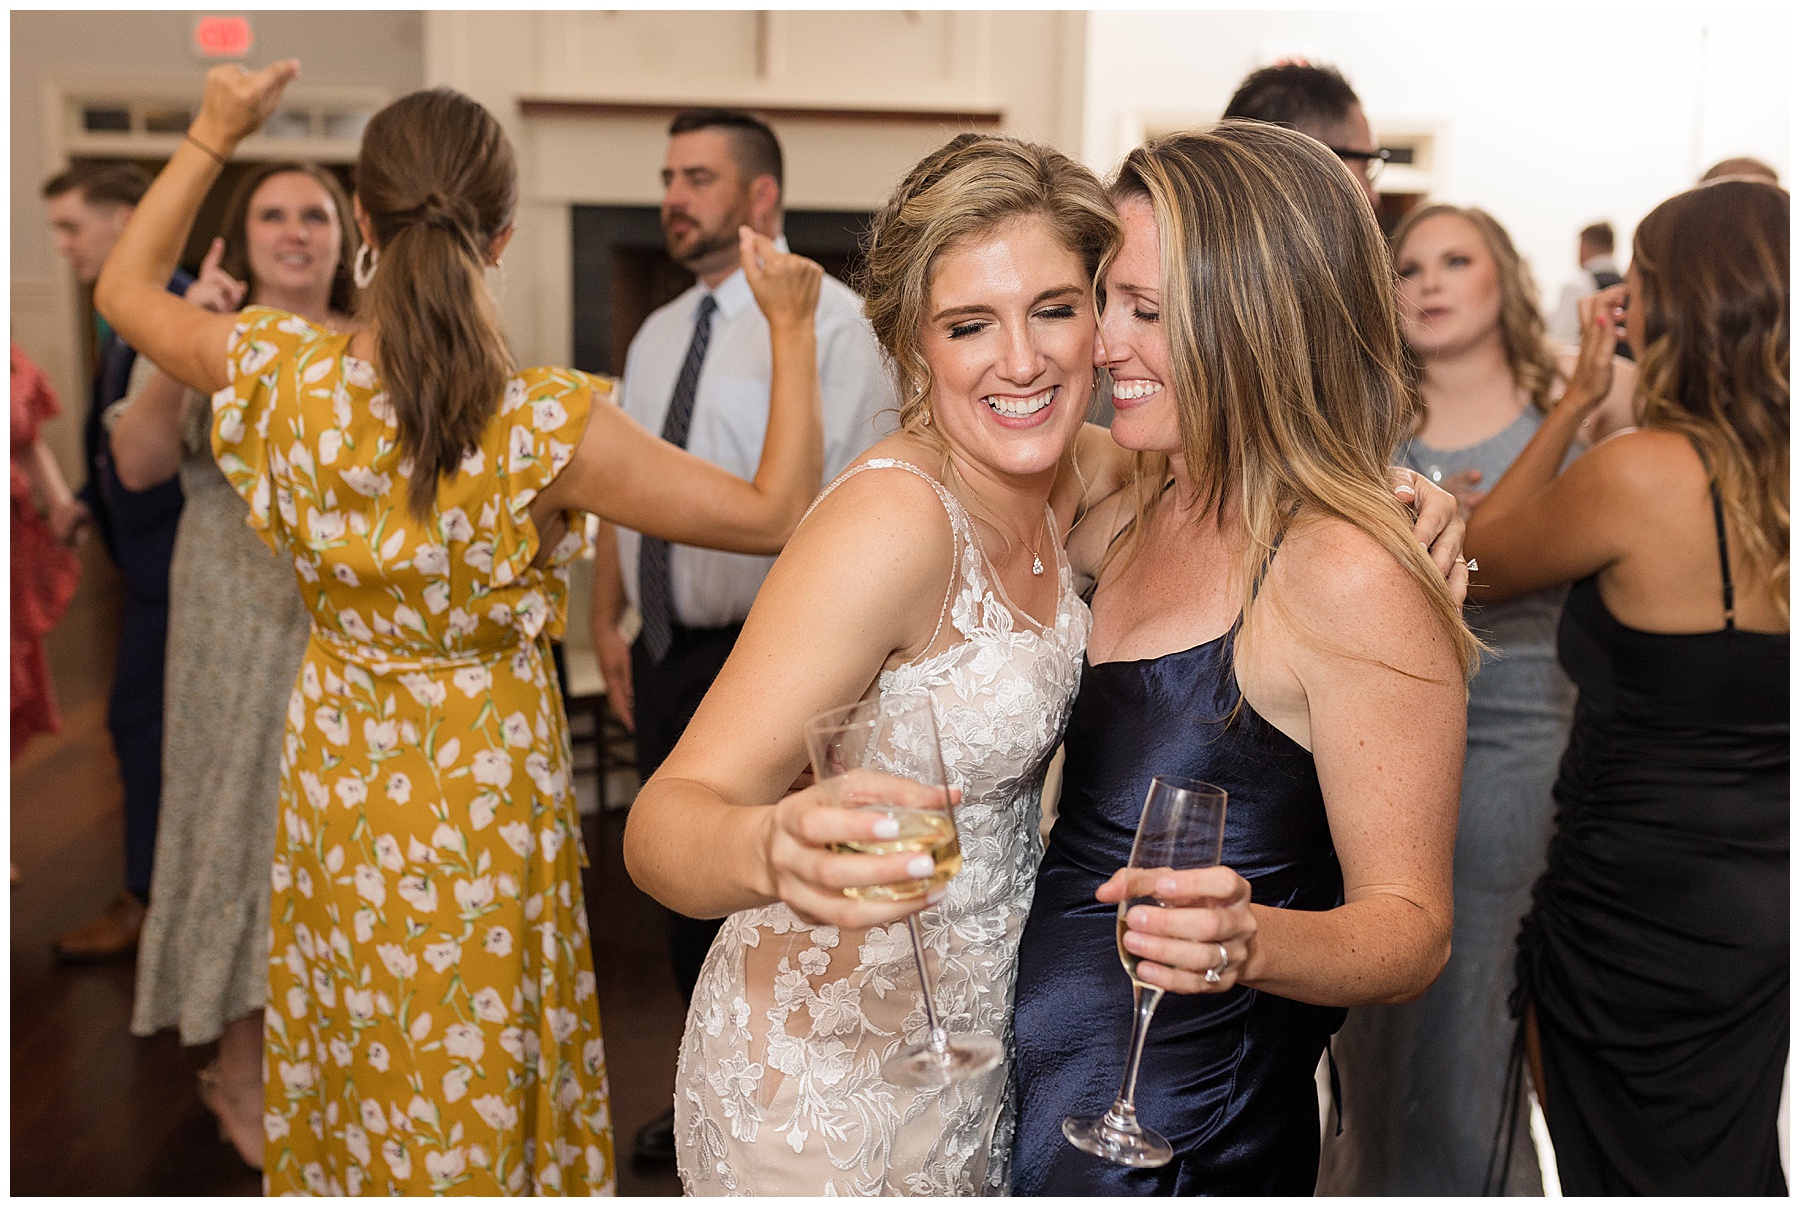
[220, 159]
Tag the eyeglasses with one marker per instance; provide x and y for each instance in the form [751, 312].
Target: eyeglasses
[1371, 161]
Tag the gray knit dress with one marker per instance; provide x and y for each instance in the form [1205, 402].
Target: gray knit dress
[1422, 1083]
[237, 632]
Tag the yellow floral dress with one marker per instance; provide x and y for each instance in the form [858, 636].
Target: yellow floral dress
[432, 1022]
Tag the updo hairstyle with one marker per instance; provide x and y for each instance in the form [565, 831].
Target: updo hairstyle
[956, 195]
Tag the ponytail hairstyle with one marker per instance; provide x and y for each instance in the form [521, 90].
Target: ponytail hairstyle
[438, 181]
[1712, 271]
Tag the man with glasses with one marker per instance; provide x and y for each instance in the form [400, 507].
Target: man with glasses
[1316, 101]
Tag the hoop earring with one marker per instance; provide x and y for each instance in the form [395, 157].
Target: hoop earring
[363, 271]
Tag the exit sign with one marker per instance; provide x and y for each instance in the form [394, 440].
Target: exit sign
[223, 37]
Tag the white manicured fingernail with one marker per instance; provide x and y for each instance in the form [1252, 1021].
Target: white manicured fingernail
[887, 827]
[936, 895]
[920, 866]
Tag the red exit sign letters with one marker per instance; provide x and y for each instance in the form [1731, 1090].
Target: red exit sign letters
[223, 37]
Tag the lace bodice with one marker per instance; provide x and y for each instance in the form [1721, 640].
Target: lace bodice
[779, 1089]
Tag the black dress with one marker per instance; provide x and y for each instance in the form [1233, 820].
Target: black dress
[1656, 951]
[1226, 1078]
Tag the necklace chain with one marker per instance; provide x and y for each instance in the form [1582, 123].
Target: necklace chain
[1037, 560]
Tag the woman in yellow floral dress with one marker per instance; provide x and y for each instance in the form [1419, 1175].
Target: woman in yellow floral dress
[432, 1022]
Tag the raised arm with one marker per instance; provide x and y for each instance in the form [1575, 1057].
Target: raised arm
[1538, 526]
[186, 342]
[146, 438]
[712, 833]
[1349, 635]
[627, 476]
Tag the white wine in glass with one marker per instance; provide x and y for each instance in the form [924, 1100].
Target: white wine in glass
[899, 738]
[920, 830]
[1182, 826]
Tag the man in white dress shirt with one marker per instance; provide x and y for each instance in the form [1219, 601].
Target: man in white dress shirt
[698, 373]
[1594, 251]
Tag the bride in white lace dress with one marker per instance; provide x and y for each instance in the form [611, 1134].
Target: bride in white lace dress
[932, 569]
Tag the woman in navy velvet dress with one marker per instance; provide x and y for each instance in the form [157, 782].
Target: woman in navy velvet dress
[1263, 620]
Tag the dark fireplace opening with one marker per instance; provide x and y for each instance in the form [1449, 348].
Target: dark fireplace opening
[622, 271]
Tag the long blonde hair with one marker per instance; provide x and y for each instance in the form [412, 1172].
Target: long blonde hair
[1712, 271]
[1522, 331]
[1284, 343]
[958, 193]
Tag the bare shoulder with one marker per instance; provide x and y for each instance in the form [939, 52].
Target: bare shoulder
[1642, 466]
[1095, 469]
[1656, 450]
[882, 513]
[1324, 560]
[868, 567]
[1339, 582]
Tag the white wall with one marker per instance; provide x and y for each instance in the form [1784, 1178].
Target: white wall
[1027, 66]
[1549, 120]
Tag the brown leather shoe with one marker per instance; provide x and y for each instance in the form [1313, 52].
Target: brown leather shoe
[111, 936]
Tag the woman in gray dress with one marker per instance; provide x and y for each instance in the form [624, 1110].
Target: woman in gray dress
[237, 631]
[1422, 1083]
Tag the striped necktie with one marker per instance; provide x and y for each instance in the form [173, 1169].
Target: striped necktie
[653, 553]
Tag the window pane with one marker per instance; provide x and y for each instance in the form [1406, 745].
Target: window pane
[167, 119]
[107, 119]
[289, 123]
[346, 125]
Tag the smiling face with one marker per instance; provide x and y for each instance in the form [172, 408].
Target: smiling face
[1132, 344]
[292, 240]
[1450, 293]
[1008, 336]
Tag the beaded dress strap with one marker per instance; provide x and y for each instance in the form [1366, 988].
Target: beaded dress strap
[959, 523]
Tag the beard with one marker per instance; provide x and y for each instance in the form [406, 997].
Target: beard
[693, 250]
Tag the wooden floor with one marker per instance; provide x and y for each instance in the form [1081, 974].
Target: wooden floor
[96, 1111]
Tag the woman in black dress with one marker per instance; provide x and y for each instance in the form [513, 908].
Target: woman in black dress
[1653, 968]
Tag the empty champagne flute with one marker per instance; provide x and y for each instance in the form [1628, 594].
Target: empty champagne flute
[1183, 826]
[851, 748]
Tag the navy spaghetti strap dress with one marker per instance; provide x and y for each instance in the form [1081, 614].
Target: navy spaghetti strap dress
[1226, 1078]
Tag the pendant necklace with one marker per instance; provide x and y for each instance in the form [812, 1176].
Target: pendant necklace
[1037, 562]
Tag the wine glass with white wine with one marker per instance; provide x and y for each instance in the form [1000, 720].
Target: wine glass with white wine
[1182, 826]
[852, 749]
